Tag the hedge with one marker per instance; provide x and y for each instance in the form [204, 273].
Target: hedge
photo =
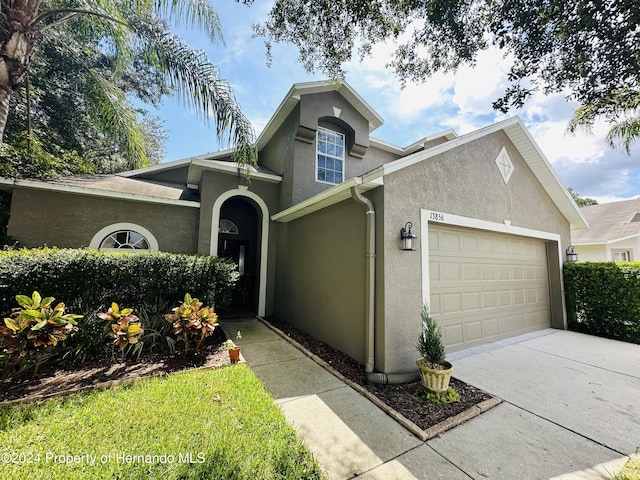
[87, 280]
[604, 299]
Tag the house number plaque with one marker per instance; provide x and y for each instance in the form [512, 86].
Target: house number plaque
[436, 216]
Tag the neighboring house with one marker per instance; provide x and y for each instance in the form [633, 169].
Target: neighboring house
[316, 230]
[613, 233]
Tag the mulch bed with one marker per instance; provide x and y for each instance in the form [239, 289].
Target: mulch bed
[401, 398]
[430, 419]
[54, 379]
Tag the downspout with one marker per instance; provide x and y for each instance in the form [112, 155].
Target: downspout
[370, 279]
[370, 297]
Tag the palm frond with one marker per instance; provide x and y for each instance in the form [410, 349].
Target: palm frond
[199, 14]
[622, 134]
[196, 81]
[119, 118]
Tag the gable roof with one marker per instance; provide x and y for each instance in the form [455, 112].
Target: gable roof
[298, 89]
[514, 129]
[609, 222]
[216, 161]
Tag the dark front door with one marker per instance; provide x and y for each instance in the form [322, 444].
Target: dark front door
[238, 241]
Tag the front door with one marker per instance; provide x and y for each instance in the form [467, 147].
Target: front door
[238, 241]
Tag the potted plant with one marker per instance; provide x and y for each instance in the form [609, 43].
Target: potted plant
[234, 350]
[434, 369]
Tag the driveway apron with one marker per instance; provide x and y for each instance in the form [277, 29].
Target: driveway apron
[570, 410]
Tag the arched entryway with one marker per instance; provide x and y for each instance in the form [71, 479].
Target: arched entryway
[240, 223]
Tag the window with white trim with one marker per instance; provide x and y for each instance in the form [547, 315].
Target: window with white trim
[330, 156]
[124, 236]
[621, 255]
[125, 240]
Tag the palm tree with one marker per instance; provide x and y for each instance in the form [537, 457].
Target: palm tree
[129, 31]
[622, 109]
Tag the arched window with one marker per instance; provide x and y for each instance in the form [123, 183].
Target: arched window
[125, 240]
[227, 226]
[124, 236]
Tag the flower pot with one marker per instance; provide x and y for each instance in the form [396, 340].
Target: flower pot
[435, 379]
[234, 354]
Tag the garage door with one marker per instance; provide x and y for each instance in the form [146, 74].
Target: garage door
[486, 286]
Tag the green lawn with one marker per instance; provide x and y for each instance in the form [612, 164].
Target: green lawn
[215, 424]
[631, 470]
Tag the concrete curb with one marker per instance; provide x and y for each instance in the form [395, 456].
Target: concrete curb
[423, 435]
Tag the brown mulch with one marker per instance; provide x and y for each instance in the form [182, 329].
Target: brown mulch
[400, 398]
[103, 372]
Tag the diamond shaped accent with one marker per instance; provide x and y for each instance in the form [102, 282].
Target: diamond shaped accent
[505, 166]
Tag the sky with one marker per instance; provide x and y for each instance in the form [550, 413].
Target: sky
[460, 101]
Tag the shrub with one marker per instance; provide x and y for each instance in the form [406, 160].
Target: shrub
[604, 299]
[124, 327]
[191, 319]
[33, 328]
[430, 344]
[90, 280]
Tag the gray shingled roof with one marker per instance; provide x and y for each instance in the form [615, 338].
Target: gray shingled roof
[116, 183]
[609, 221]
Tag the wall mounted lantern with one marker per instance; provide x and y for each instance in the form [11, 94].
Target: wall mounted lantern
[572, 256]
[408, 238]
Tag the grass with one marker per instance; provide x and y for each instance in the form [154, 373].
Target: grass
[214, 424]
[631, 470]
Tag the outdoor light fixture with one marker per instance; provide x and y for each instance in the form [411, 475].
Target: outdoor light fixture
[572, 256]
[408, 238]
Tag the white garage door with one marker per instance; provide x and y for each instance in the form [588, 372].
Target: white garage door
[486, 286]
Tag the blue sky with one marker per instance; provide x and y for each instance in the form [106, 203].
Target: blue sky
[461, 101]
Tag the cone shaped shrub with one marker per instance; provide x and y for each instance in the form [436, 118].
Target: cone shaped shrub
[430, 344]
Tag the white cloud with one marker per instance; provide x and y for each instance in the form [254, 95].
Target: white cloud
[475, 88]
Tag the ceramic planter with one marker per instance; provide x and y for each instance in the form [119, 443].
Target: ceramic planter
[234, 354]
[436, 380]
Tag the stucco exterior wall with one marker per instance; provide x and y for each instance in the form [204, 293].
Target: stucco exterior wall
[278, 156]
[320, 281]
[292, 151]
[464, 181]
[71, 220]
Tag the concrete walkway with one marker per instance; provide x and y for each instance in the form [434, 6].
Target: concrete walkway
[571, 409]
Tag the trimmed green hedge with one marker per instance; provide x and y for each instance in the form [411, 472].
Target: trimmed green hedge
[604, 299]
[87, 280]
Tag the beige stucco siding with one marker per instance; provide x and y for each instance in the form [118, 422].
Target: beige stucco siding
[71, 220]
[464, 181]
[320, 281]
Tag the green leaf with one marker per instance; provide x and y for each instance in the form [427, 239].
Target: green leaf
[48, 301]
[39, 326]
[11, 324]
[24, 301]
[36, 299]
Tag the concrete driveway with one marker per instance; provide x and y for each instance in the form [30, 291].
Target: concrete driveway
[571, 409]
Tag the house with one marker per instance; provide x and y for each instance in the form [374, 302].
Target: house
[316, 231]
[613, 234]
